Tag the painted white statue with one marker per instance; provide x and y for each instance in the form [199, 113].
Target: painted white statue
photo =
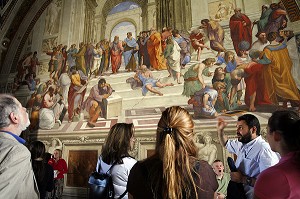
[52, 16]
[207, 150]
[55, 144]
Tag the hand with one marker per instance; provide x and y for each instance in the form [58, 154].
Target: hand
[220, 196]
[210, 74]
[237, 177]
[228, 95]
[106, 96]
[207, 108]
[221, 124]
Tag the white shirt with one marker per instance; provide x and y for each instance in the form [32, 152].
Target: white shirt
[252, 158]
[120, 173]
[258, 45]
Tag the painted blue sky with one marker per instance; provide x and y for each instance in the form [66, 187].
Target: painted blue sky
[121, 30]
[127, 5]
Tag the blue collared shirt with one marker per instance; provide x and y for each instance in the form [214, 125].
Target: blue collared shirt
[20, 140]
[252, 158]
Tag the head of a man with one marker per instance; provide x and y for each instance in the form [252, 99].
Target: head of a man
[116, 39]
[152, 30]
[262, 37]
[237, 12]
[13, 116]
[204, 23]
[129, 35]
[101, 83]
[219, 73]
[236, 76]
[248, 128]
[218, 168]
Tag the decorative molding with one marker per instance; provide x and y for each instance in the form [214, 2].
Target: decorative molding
[83, 139]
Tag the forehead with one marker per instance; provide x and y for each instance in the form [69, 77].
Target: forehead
[241, 123]
[218, 164]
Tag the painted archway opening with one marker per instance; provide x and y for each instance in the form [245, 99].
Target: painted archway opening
[123, 18]
[121, 30]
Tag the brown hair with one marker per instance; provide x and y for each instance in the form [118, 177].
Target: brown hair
[226, 55]
[208, 61]
[271, 36]
[117, 143]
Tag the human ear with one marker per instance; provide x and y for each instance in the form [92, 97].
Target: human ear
[276, 136]
[254, 129]
[14, 118]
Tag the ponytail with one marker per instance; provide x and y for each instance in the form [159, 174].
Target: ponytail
[169, 173]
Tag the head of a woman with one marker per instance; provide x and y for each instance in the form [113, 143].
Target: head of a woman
[177, 150]
[119, 141]
[207, 139]
[170, 40]
[37, 150]
[229, 56]
[209, 61]
[57, 154]
[283, 131]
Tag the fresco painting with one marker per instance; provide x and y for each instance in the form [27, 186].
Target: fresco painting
[80, 70]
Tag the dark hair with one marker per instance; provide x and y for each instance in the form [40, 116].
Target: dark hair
[37, 150]
[175, 32]
[287, 123]
[47, 156]
[208, 61]
[217, 161]
[117, 143]
[251, 121]
[101, 81]
[271, 36]
[206, 21]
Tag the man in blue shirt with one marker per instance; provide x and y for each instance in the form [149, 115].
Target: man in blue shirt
[253, 153]
[16, 174]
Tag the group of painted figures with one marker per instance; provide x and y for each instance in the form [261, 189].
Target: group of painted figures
[265, 69]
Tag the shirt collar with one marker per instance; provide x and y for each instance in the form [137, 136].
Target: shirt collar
[252, 142]
[20, 140]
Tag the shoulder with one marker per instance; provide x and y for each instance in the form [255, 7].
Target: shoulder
[49, 168]
[12, 151]
[262, 145]
[269, 175]
[62, 161]
[203, 165]
[129, 161]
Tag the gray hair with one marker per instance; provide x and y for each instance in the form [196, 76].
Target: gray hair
[7, 106]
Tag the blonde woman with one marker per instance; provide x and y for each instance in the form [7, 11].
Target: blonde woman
[174, 170]
[119, 141]
[60, 168]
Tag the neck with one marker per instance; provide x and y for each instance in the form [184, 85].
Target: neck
[11, 129]
[220, 176]
[274, 42]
